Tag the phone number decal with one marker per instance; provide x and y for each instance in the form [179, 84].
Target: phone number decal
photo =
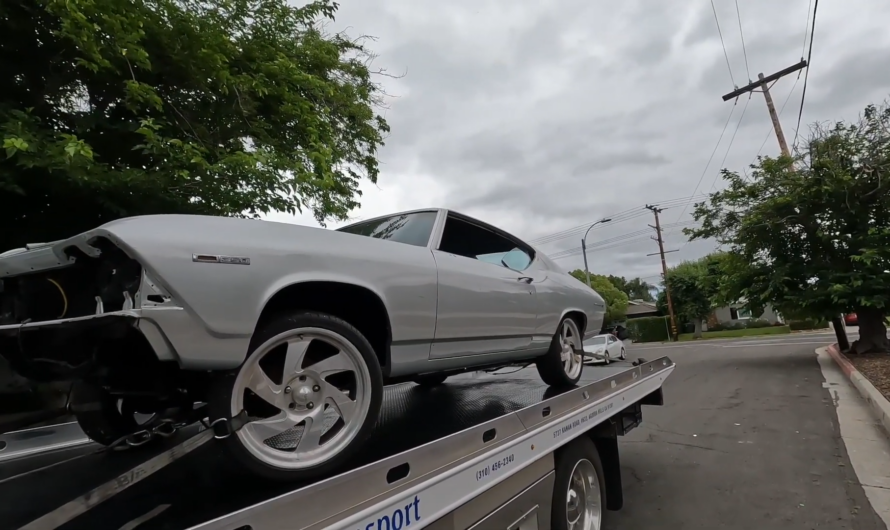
[493, 467]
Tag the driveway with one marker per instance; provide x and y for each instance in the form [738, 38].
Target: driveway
[749, 437]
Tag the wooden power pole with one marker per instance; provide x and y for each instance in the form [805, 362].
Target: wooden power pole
[763, 84]
[664, 271]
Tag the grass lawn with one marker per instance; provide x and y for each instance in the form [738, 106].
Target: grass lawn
[731, 333]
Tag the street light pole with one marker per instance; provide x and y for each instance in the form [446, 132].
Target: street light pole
[584, 246]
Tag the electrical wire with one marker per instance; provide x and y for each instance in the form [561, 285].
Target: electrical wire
[769, 131]
[731, 140]
[742, 33]
[621, 240]
[710, 158]
[626, 215]
[806, 75]
[723, 43]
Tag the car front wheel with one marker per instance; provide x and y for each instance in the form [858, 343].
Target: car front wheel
[562, 364]
[310, 392]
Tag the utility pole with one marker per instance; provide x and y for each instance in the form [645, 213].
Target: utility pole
[762, 83]
[667, 290]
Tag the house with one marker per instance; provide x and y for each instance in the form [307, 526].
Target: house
[737, 314]
[641, 308]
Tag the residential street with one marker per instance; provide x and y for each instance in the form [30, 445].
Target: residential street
[749, 437]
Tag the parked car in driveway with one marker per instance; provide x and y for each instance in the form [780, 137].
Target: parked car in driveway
[288, 333]
[605, 347]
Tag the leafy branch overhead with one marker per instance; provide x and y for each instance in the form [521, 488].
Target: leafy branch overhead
[234, 107]
[811, 235]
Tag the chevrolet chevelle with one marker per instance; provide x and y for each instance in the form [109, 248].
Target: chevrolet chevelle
[285, 334]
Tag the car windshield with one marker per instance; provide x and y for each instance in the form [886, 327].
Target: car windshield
[411, 228]
[595, 341]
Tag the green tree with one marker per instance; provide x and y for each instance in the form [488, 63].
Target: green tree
[112, 108]
[691, 292]
[616, 301]
[812, 235]
[635, 289]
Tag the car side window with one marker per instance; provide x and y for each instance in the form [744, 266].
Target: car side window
[611, 339]
[475, 242]
[412, 228]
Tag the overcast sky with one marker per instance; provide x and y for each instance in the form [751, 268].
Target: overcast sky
[542, 116]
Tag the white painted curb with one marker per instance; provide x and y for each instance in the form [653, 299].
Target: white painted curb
[879, 405]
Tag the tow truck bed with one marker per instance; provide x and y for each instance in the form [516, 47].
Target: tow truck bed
[433, 450]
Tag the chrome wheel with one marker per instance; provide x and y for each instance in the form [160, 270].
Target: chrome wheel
[583, 509]
[571, 344]
[310, 392]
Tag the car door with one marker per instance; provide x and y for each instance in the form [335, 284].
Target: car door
[613, 347]
[486, 300]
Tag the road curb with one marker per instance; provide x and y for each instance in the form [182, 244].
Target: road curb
[879, 405]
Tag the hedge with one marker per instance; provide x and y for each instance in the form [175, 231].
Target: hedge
[648, 329]
[807, 324]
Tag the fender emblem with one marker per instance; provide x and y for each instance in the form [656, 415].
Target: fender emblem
[229, 260]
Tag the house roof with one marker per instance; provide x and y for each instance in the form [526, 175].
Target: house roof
[639, 307]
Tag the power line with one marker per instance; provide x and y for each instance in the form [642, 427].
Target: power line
[626, 215]
[807, 74]
[806, 31]
[617, 241]
[710, 158]
[723, 43]
[742, 33]
[731, 140]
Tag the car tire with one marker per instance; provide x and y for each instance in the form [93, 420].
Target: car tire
[623, 354]
[98, 415]
[430, 380]
[293, 339]
[579, 483]
[553, 367]
[607, 358]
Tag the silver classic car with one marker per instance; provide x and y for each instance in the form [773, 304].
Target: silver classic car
[283, 336]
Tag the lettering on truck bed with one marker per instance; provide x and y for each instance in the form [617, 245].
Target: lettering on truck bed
[399, 519]
[568, 427]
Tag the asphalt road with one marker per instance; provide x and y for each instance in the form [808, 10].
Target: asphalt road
[748, 438]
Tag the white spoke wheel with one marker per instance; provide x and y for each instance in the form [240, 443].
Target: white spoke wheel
[623, 354]
[311, 389]
[578, 495]
[563, 363]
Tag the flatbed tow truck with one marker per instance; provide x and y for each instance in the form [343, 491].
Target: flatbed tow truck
[482, 452]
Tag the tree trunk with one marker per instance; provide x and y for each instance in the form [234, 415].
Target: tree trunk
[872, 332]
[697, 333]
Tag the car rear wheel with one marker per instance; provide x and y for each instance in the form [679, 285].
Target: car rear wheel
[563, 363]
[623, 354]
[311, 389]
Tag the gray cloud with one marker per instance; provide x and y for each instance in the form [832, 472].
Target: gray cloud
[542, 116]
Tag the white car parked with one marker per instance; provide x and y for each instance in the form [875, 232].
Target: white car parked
[604, 347]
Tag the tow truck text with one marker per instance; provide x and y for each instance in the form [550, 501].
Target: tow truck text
[493, 467]
[399, 519]
[566, 428]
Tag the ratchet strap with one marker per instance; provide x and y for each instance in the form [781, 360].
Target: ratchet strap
[225, 427]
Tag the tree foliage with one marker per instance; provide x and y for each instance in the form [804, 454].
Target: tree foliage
[694, 287]
[811, 235]
[111, 108]
[616, 301]
[635, 289]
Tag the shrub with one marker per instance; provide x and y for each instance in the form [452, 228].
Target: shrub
[807, 324]
[757, 323]
[648, 329]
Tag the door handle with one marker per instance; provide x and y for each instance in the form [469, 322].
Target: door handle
[526, 279]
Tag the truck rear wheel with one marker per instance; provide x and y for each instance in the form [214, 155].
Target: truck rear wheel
[579, 493]
[311, 388]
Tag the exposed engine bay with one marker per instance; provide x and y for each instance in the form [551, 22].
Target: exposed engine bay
[88, 286]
